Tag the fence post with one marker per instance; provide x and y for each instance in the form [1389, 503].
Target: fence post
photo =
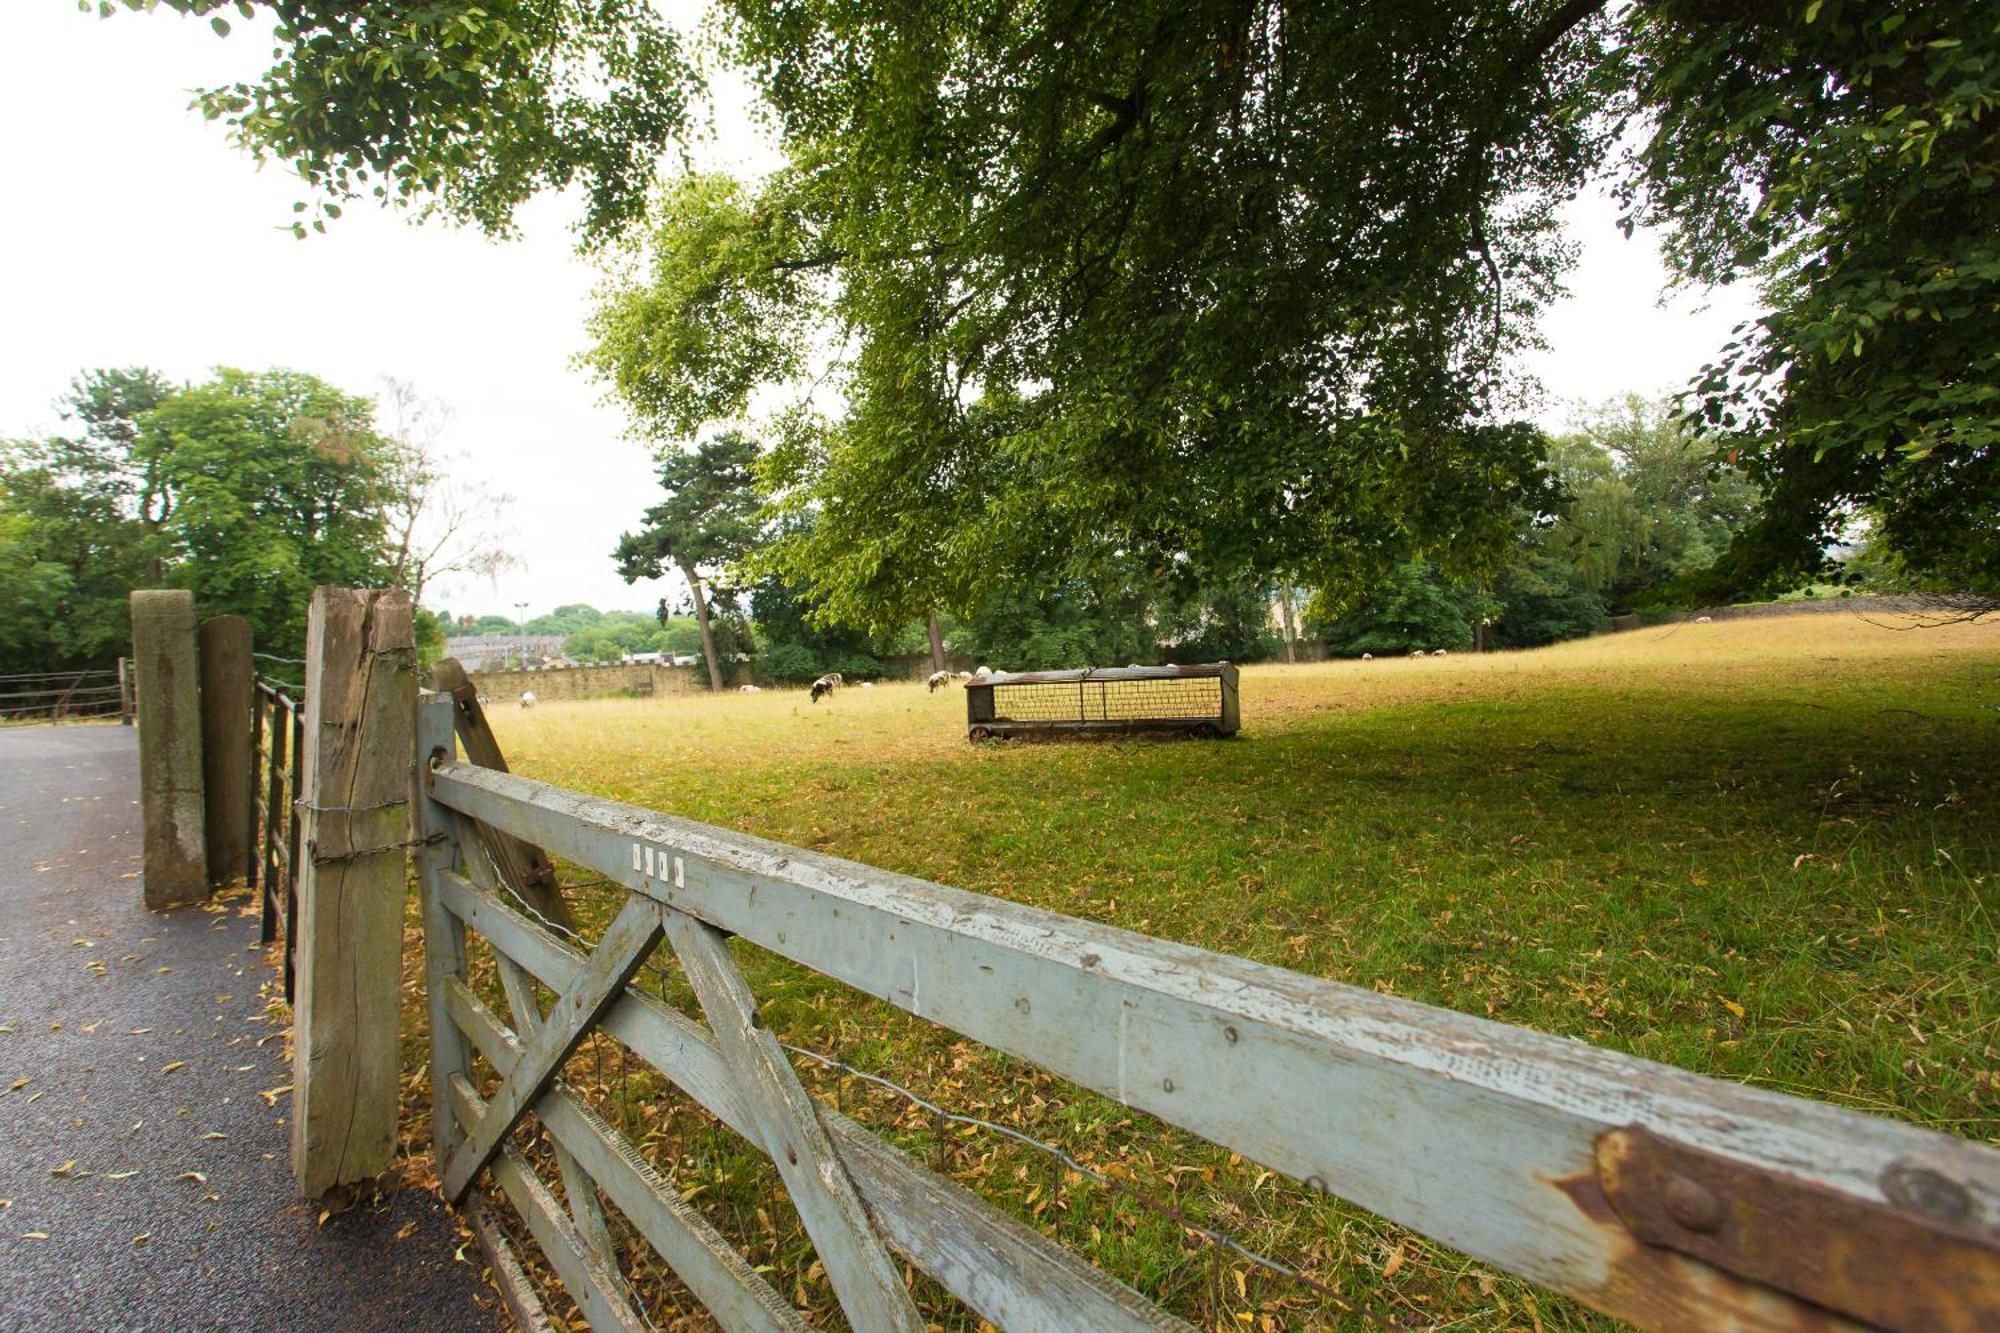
[170, 770]
[227, 674]
[360, 721]
[125, 691]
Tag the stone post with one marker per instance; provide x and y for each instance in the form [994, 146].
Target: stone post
[170, 774]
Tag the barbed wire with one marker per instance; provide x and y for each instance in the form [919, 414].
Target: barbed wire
[1212, 1235]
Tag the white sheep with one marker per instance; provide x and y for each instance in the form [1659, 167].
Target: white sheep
[748, 689]
[1367, 657]
[1704, 620]
[867, 684]
[527, 698]
[983, 671]
[1417, 652]
[938, 678]
[961, 675]
[1438, 653]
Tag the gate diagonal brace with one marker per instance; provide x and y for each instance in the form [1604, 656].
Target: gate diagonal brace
[620, 953]
[868, 1281]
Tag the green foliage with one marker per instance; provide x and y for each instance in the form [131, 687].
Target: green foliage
[1845, 156]
[1414, 609]
[1543, 600]
[708, 519]
[468, 108]
[431, 643]
[273, 483]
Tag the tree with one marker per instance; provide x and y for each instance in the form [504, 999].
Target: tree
[1414, 609]
[1241, 282]
[443, 519]
[707, 522]
[271, 483]
[69, 558]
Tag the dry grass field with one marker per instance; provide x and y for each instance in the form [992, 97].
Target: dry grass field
[1761, 849]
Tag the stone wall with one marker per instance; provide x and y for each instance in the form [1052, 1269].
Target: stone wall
[639, 680]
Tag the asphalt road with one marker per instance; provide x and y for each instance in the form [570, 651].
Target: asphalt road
[143, 1174]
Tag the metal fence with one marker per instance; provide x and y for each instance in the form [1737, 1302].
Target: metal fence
[57, 695]
[277, 733]
[1648, 1192]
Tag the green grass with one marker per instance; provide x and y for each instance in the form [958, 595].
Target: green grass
[1762, 850]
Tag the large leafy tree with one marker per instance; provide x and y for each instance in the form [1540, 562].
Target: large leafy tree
[1241, 282]
[274, 482]
[706, 523]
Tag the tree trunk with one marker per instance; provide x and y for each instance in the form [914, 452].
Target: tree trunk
[1291, 626]
[937, 643]
[701, 618]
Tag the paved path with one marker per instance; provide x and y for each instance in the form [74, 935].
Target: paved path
[144, 1048]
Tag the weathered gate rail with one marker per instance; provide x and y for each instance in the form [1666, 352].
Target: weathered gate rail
[1646, 1191]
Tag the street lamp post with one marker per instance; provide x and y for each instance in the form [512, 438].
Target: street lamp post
[521, 608]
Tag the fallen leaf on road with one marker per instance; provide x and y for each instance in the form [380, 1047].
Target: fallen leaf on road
[20, 1083]
[271, 1095]
[65, 1168]
[196, 1176]
[171, 1065]
[34, 1235]
[214, 1134]
[120, 1175]
[142, 1238]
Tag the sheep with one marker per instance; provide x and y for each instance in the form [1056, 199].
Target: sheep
[1440, 652]
[938, 678]
[867, 684]
[1417, 652]
[834, 676]
[983, 671]
[527, 698]
[824, 685]
[1704, 620]
[1367, 657]
[961, 675]
[748, 689]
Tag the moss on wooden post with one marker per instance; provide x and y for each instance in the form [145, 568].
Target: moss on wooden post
[360, 721]
[227, 681]
[170, 772]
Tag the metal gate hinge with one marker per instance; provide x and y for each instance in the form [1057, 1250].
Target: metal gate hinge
[1923, 1261]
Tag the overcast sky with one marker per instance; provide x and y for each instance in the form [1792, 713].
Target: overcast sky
[134, 234]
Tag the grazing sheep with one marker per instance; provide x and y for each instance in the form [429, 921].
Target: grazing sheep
[983, 671]
[1704, 620]
[527, 698]
[1438, 653]
[824, 685]
[938, 678]
[1417, 652]
[961, 675]
[1367, 657]
[834, 676]
[748, 689]
[867, 684]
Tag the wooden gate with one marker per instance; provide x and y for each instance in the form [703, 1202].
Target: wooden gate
[1654, 1194]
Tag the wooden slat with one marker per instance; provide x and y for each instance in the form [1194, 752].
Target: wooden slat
[1005, 1270]
[444, 934]
[870, 1287]
[517, 1292]
[597, 1286]
[1481, 1135]
[524, 866]
[577, 1185]
[733, 1291]
[623, 949]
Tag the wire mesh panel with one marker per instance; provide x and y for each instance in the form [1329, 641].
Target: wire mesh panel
[1197, 699]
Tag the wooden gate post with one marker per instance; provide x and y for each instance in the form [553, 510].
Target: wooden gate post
[227, 698]
[125, 691]
[163, 652]
[359, 736]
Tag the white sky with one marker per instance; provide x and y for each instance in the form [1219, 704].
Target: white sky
[132, 233]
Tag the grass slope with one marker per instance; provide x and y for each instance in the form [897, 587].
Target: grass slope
[1760, 849]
